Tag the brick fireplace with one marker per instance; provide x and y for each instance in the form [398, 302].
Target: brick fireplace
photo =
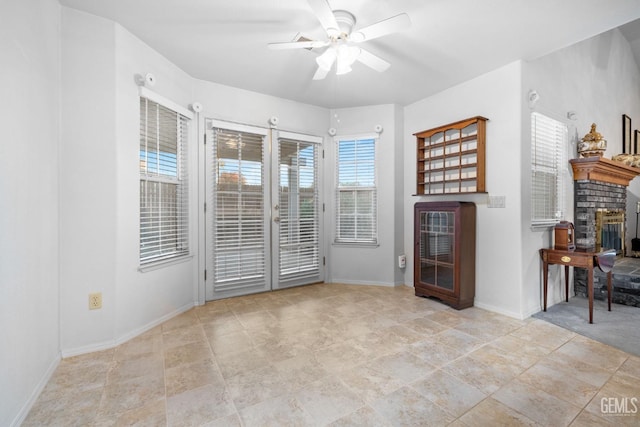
[600, 196]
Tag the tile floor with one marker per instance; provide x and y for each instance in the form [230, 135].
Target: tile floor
[343, 355]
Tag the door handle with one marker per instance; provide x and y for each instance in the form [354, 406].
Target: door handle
[276, 219]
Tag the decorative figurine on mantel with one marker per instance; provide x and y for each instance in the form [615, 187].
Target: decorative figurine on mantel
[592, 144]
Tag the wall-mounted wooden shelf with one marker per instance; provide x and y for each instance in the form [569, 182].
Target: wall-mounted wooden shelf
[451, 158]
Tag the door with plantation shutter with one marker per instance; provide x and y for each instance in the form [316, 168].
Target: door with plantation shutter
[263, 210]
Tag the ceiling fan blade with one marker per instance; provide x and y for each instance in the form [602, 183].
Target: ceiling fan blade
[324, 14]
[297, 45]
[320, 74]
[390, 25]
[372, 61]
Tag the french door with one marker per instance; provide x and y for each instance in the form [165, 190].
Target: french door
[264, 213]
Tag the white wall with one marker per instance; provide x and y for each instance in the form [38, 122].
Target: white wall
[599, 80]
[29, 283]
[369, 264]
[496, 96]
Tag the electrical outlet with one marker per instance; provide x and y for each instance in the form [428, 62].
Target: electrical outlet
[402, 261]
[95, 301]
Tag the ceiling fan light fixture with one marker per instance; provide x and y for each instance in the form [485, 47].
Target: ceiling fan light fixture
[326, 60]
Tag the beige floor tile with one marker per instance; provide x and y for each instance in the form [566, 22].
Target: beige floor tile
[188, 318]
[514, 363]
[364, 416]
[404, 366]
[370, 383]
[199, 406]
[615, 408]
[594, 353]
[149, 364]
[186, 354]
[587, 419]
[181, 336]
[450, 393]
[458, 339]
[490, 412]
[434, 352]
[144, 344]
[69, 408]
[576, 368]
[341, 356]
[515, 345]
[126, 394]
[228, 421]
[232, 364]
[344, 355]
[425, 326]
[487, 378]
[328, 400]
[536, 404]
[249, 388]
[543, 334]
[631, 367]
[300, 370]
[280, 411]
[194, 375]
[557, 383]
[234, 342]
[406, 407]
[151, 414]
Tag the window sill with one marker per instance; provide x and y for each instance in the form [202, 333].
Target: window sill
[356, 244]
[542, 227]
[164, 263]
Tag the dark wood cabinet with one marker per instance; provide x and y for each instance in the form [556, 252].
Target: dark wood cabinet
[445, 252]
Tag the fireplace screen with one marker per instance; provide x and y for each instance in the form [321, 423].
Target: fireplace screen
[610, 231]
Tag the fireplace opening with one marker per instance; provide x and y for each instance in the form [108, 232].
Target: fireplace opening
[610, 231]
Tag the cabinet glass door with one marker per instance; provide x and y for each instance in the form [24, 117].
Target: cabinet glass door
[437, 249]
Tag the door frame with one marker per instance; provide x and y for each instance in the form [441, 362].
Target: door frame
[205, 197]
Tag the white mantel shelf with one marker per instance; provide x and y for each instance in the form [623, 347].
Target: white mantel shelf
[604, 170]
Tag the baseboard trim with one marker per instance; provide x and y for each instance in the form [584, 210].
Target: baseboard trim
[26, 408]
[366, 283]
[498, 310]
[106, 345]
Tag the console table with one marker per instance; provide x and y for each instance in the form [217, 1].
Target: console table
[578, 258]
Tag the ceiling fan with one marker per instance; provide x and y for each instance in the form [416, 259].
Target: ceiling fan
[341, 39]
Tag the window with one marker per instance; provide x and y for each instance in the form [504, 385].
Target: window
[549, 139]
[163, 183]
[356, 193]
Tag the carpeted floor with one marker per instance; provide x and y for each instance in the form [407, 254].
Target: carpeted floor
[619, 327]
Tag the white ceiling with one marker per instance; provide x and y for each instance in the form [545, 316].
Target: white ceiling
[450, 41]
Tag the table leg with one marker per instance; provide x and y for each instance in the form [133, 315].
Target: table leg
[545, 275]
[590, 293]
[609, 290]
[566, 283]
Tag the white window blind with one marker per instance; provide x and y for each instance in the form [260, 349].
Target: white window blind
[239, 233]
[356, 193]
[549, 139]
[163, 183]
[298, 209]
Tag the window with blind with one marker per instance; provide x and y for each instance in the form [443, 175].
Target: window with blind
[163, 183]
[549, 139]
[356, 192]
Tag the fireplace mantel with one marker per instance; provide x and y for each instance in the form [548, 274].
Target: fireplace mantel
[605, 170]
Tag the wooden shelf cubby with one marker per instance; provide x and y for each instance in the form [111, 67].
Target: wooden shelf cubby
[451, 158]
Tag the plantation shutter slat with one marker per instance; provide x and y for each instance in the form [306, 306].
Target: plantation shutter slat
[549, 139]
[356, 195]
[163, 183]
